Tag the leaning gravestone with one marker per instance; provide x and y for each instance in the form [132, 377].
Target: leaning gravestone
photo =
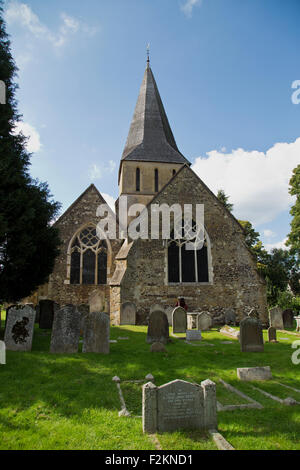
[47, 310]
[19, 329]
[158, 328]
[275, 317]
[272, 335]
[204, 321]
[230, 316]
[179, 405]
[179, 320]
[251, 335]
[288, 318]
[66, 331]
[96, 333]
[128, 314]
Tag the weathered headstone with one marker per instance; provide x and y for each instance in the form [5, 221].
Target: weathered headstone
[193, 335]
[275, 317]
[96, 333]
[158, 328]
[204, 321]
[288, 318]
[179, 405]
[7, 313]
[272, 335]
[254, 373]
[19, 329]
[169, 313]
[47, 310]
[2, 353]
[230, 316]
[179, 320]
[128, 314]
[97, 301]
[251, 335]
[84, 310]
[66, 331]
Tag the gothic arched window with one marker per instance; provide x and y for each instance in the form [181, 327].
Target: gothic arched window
[88, 258]
[187, 265]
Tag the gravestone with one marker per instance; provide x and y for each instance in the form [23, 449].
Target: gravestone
[19, 329]
[193, 335]
[297, 324]
[158, 328]
[128, 314]
[275, 317]
[2, 353]
[97, 301]
[251, 335]
[157, 307]
[47, 310]
[96, 333]
[84, 310]
[192, 320]
[272, 335]
[169, 313]
[230, 316]
[288, 318]
[37, 313]
[179, 320]
[229, 331]
[179, 405]
[204, 321]
[66, 330]
[7, 313]
[248, 374]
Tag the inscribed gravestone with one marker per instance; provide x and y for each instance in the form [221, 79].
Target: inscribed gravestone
[272, 336]
[179, 405]
[84, 310]
[193, 335]
[19, 329]
[275, 317]
[96, 333]
[65, 331]
[158, 328]
[128, 314]
[204, 321]
[288, 318]
[251, 335]
[179, 320]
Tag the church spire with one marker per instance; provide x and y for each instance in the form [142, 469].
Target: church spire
[150, 136]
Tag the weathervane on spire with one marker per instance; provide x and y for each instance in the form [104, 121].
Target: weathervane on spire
[148, 53]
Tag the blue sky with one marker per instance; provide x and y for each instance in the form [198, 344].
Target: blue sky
[224, 68]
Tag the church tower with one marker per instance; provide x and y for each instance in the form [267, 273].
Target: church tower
[151, 157]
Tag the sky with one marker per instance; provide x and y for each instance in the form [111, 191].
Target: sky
[227, 71]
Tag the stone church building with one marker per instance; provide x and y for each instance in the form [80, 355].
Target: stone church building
[222, 275]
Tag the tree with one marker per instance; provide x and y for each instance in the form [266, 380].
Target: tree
[224, 199]
[29, 243]
[294, 236]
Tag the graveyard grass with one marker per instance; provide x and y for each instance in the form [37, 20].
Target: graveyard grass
[70, 402]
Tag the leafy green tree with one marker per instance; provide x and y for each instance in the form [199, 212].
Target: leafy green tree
[224, 199]
[294, 236]
[28, 241]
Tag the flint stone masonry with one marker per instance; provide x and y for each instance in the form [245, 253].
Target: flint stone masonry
[179, 320]
[179, 405]
[288, 318]
[230, 316]
[66, 331]
[204, 321]
[96, 301]
[19, 329]
[193, 335]
[158, 328]
[251, 335]
[96, 333]
[128, 314]
[248, 374]
[272, 335]
[275, 318]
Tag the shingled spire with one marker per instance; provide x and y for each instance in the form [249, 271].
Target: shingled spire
[150, 137]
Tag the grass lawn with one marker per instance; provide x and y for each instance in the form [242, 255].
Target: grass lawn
[70, 402]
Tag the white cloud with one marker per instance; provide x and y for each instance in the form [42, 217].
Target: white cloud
[188, 6]
[94, 172]
[22, 14]
[110, 200]
[269, 233]
[280, 244]
[256, 182]
[34, 141]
